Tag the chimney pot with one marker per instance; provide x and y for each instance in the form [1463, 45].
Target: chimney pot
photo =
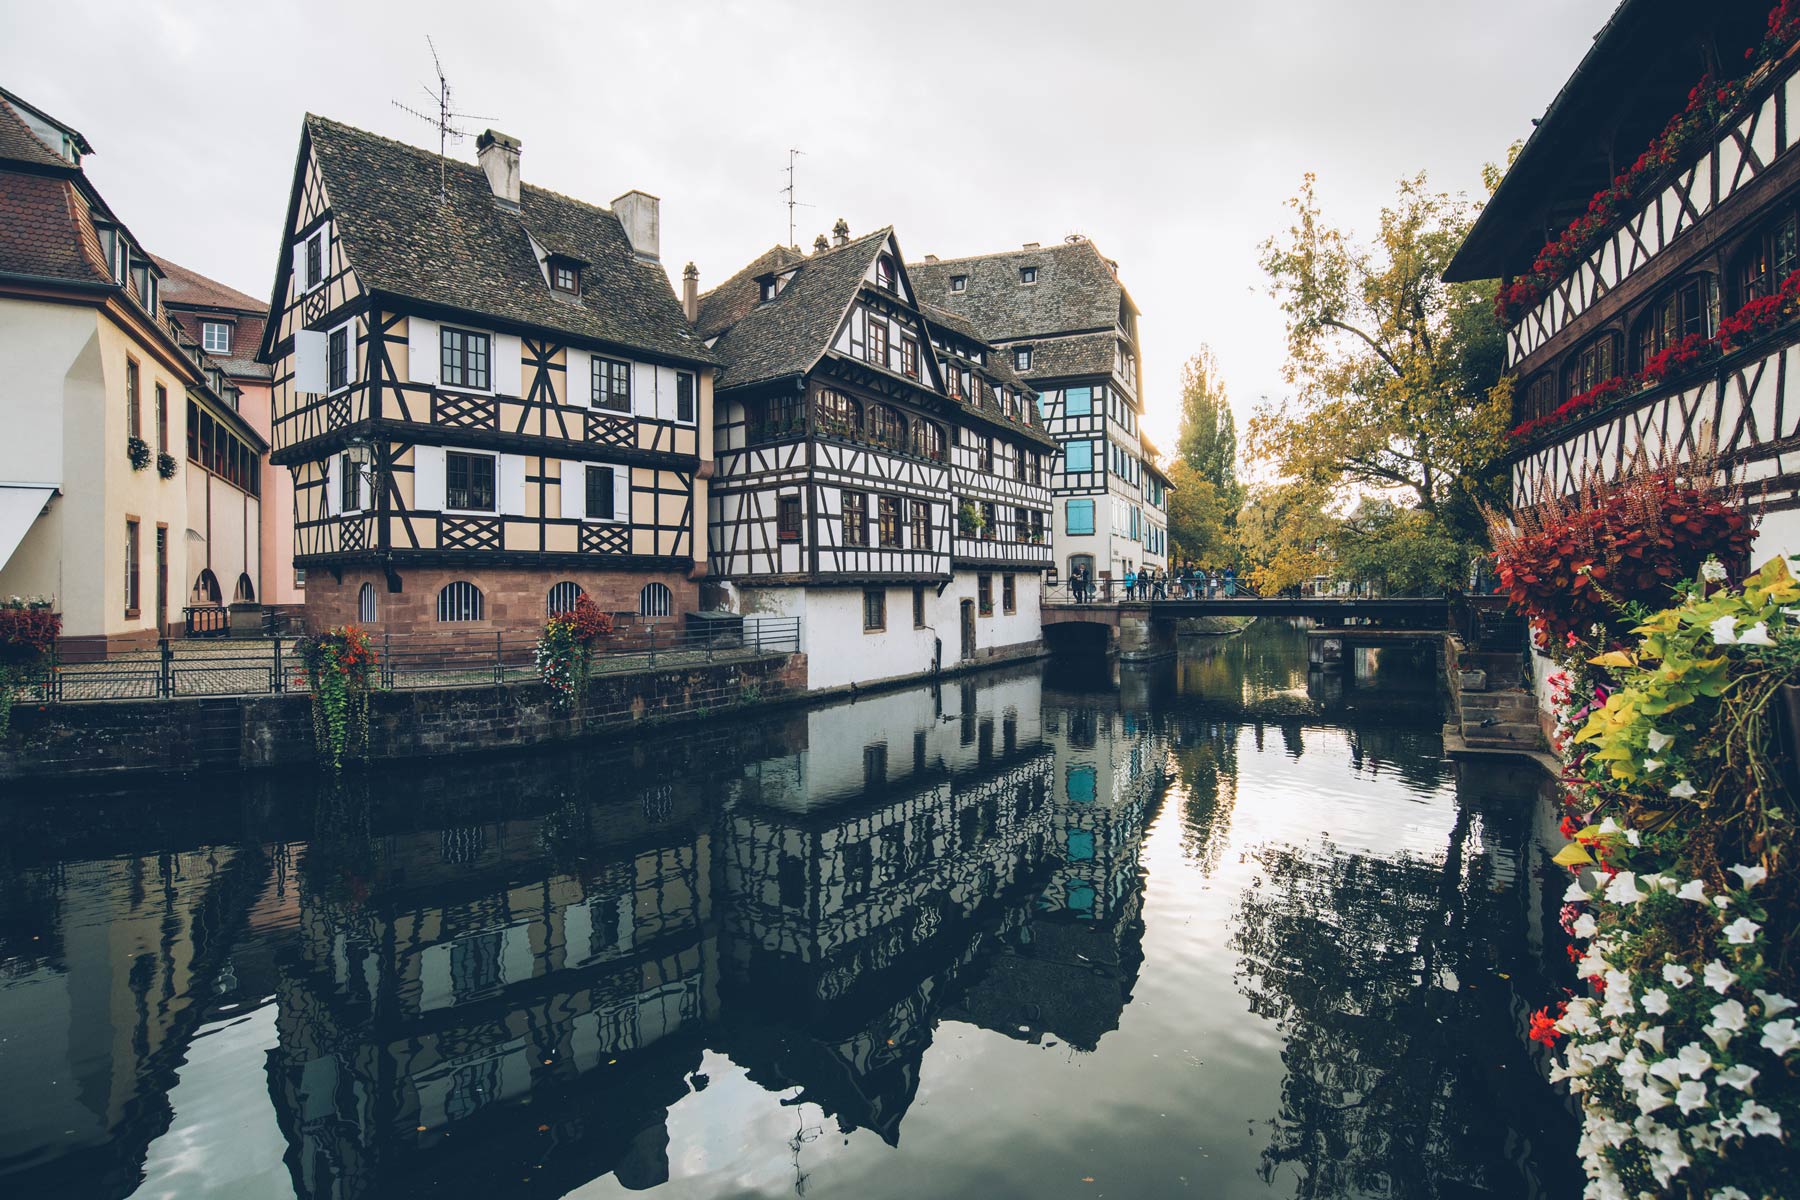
[641, 215]
[690, 292]
[498, 154]
[840, 233]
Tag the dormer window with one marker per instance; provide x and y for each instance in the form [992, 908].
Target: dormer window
[565, 277]
[884, 273]
[959, 283]
[1027, 274]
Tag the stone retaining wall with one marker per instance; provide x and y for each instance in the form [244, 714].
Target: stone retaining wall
[117, 737]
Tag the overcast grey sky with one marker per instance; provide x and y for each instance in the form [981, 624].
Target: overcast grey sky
[1170, 133]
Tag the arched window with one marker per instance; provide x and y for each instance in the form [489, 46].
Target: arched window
[1593, 364]
[563, 597]
[838, 414]
[460, 601]
[884, 273]
[366, 610]
[655, 601]
[1690, 307]
[1770, 256]
[928, 441]
[246, 591]
[887, 428]
[206, 589]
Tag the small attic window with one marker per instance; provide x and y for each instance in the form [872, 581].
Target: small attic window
[565, 277]
[959, 283]
[1027, 274]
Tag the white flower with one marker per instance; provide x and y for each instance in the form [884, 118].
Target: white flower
[1658, 739]
[1739, 1076]
[1652, 1036]
[1690, 1095]
[1585, 926]
[1750, 875]
[1656, 1001]
[1713, 571]
[1694, 890]
[1722, 631]
[1756, 635]
[1742, 931]
[1623, 889]
[1676, 974]
[1758, 1119]
[1694, 1060]
[1717, 977]
[1774, 1003]
[1780, 1037]
[1576, 893]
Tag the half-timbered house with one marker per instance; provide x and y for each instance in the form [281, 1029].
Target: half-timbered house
[488, 394]
[1600, 351]
[1063, 321]
[880, 474]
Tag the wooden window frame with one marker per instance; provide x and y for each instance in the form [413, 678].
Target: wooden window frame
[874, 610]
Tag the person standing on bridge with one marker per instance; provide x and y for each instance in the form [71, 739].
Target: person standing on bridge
[1230, 582]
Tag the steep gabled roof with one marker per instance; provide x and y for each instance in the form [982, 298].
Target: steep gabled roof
[787, 335]
[1077, 290]
[466, 252]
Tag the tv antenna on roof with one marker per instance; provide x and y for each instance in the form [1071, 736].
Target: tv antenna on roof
[788, 191]
[442, 121]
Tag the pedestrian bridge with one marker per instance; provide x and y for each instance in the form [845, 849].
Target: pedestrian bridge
[1146, 628]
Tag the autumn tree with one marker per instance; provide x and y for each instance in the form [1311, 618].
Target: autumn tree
[1208, 437]
[1395, 372]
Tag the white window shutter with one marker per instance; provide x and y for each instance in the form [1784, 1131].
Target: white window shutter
[574, 489]
[509, 365]
[428, 477]
[310, 349]
[643, 389]
[512, 484]
[579, 382]
[421, 350]
[622, 493]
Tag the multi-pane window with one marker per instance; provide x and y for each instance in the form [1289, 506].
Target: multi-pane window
[215, 337]
[1690, 307]
[874, 609]
[134, 417]
[611, 384]
[856, 519]
[1772, 255]
[684, 395]
[878, 342]
[599, 494]
[888, 508]
[918, 608]
[921, 524]
[469, 482]
[465, 358]
[787, 518]
[1591, 365]
[162, 419]
[338, 359]
[909, 356]
[984, 590]
[131, 568]
[838, 414]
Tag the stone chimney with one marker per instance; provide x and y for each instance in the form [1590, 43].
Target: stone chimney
[499, 156]
[931, 258]
[820, 245]
[840, 233]
[690, 292]
[641, 215]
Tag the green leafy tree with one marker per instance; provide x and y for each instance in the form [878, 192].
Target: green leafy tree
[1395, 372]
[1208, 438]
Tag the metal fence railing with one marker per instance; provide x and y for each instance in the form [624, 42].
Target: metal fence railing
[273, 665]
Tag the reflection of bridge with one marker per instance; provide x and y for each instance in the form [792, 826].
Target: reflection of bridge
[1146, 628]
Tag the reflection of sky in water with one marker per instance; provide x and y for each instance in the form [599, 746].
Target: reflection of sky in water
[927, 944]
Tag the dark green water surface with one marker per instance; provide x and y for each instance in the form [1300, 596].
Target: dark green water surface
[1200, 928]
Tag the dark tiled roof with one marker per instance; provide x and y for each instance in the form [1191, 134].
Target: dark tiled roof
[466, 252]
[789, 334]
[43, 230]
[1076, 289]
[19, 145]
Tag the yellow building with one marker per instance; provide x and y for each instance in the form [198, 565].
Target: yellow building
[112, 416]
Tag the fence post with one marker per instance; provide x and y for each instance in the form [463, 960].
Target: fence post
[167, 683]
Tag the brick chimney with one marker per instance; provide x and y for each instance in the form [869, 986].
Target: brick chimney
[690, 292]
[641, 215]
[840, 233]
[499, 157]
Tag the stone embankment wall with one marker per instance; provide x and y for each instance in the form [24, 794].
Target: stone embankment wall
[239, 733]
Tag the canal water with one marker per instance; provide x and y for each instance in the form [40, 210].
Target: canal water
[1202, 928]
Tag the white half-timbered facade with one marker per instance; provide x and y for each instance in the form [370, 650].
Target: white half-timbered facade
[861, 447]
[486, 392]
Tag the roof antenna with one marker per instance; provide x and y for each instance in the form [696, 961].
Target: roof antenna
[788, 191]
[441, 122]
